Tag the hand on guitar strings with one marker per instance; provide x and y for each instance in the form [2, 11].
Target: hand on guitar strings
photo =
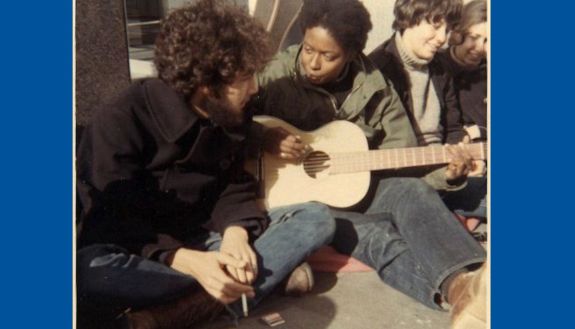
[479, 167]
[281, 143]
[461, 162]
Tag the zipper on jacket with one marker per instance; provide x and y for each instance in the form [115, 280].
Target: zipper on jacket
[349, 95]
[332, 97]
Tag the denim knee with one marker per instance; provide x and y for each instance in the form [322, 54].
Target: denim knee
[398, 189]
[86, 255]
[317, 220]
[407, 184]
[321, 222]
[311, 221]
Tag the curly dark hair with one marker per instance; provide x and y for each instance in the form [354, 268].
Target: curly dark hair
[347, 21]
[409, 13]
[208, 44]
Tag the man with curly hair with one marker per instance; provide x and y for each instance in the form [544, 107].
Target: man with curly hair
[170, 230]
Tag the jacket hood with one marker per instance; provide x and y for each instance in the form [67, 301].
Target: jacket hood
[368, 79]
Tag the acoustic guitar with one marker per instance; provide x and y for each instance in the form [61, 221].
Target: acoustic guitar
[336, 171]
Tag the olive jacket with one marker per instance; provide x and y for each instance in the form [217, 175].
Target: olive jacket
[372, 103]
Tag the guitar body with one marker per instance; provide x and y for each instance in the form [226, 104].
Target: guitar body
[290, 182]
[336, 171]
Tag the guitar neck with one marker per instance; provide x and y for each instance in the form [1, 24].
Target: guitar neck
[351, 162]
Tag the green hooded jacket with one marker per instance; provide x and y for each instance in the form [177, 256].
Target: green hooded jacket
[372, 103]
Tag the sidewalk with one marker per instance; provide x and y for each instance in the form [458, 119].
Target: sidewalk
[357, 300]
[344, 301]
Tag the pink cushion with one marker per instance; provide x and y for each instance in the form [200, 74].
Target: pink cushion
[327, 259]
[470, 223]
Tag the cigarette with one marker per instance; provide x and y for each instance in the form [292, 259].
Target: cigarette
[245, 305]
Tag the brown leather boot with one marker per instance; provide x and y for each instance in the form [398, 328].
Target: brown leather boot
[300, 281]
[468, 296]
[181, 314]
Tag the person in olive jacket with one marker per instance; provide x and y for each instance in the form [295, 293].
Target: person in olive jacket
[170, 230]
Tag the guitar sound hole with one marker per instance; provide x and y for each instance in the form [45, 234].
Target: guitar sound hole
[316, 163]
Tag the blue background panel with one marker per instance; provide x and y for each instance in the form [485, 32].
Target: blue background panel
[36, 163]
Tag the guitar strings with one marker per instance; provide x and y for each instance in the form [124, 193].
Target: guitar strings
[316, 163]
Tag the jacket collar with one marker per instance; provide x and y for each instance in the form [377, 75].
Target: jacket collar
[457, 67]
[168, 109]
[435, 68]
[368, 78]
[173, 116]
[391, 47]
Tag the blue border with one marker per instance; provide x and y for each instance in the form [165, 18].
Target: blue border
[36, 164]
[532, 126]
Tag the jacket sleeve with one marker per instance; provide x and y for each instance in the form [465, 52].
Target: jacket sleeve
[120, 197]
[436, 179]
[255, 136]
[452, 118]
[279, 67]
[433, 175]
[237, 205]
[392, 121]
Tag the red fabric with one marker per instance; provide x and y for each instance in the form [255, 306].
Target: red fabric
[327, 259]
[470, 223]
[460, 218]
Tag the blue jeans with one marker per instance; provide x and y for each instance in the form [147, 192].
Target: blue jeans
[110, 280]
[409, 237]
[470, 200]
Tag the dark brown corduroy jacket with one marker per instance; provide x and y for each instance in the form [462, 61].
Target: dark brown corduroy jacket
[151, 174]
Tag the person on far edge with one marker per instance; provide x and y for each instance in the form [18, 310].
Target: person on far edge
[466, 62]
[426, 90]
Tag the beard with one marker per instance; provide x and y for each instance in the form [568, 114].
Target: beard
[222, 114]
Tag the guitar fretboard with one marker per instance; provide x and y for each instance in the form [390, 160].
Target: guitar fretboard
[397, 158]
